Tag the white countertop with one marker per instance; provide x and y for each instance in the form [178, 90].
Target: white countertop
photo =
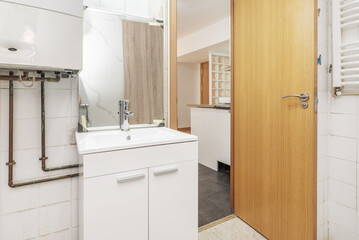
[104, 141]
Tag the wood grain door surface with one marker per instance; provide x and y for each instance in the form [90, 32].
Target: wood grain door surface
[274, 139]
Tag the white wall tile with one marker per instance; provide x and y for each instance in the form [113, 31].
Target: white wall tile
[27, 134]
[92, 3]
[58, 156]
[55, 218]
[55, 192]
[342, 193]
[323, 83]
[64, 83]
[322, 34]
[58, 103]
[118, 6]
[58, 132]
[344, 125]
[74, 188]
[137, 8]
[342, 170]
[74, 213]
[323, 119]
[19, 199]
[323, 98]
[75, 234]
[343, 148]
[347, 104]
[337, 232]
[4, 136]
[320, 193]
[320, 215]
[63, 235]
[74, 103]
[20, 225]
[342, 216]
[323, 17]
[75, 83]
[323, 145]
[320, 232]
[27, 164]
[26, 103]
[322, 168]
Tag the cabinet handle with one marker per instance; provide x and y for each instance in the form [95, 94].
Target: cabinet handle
[165, 171]
[130, 178]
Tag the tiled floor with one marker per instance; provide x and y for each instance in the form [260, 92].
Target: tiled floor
[234, 229]
[213, 196]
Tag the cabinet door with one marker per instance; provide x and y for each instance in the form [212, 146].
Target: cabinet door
[173, 202]
[116, 206]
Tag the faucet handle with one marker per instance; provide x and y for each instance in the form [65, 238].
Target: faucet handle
[129, 114]
[124, 102]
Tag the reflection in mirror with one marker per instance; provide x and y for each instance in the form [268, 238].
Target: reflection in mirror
[123, 59]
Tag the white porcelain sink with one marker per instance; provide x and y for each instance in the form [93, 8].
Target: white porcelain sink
[102, 141]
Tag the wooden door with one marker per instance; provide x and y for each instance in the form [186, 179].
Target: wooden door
[205, 83]
[173, 201]
[274, 139]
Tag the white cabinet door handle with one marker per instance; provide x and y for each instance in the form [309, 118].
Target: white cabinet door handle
[165, 171]
[130, 178]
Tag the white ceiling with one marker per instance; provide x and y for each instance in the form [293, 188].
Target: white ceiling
[202, 55]
[193, 15]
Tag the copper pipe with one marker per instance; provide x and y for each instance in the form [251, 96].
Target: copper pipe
[11, 161]
[26, 77]
[43, 142]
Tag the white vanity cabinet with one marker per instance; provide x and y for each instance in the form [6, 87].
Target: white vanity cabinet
[140, 193]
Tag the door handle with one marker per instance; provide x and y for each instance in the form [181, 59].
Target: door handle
[303, 96]
[165, 171]
[130, 178]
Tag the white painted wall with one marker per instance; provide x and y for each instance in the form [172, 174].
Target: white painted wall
[102, 82]
[188, 90]
[214, 34]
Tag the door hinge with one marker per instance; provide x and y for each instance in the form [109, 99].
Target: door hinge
[316, 101]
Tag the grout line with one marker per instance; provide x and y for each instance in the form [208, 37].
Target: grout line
[212, 224]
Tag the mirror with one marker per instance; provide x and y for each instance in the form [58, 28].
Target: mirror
[124, 57]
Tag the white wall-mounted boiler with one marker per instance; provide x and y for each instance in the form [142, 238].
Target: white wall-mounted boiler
[41, 35]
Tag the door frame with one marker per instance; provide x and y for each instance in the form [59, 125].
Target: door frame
[173, 112]
[232, 108]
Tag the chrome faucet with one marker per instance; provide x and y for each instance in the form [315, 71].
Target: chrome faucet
[125, 114]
